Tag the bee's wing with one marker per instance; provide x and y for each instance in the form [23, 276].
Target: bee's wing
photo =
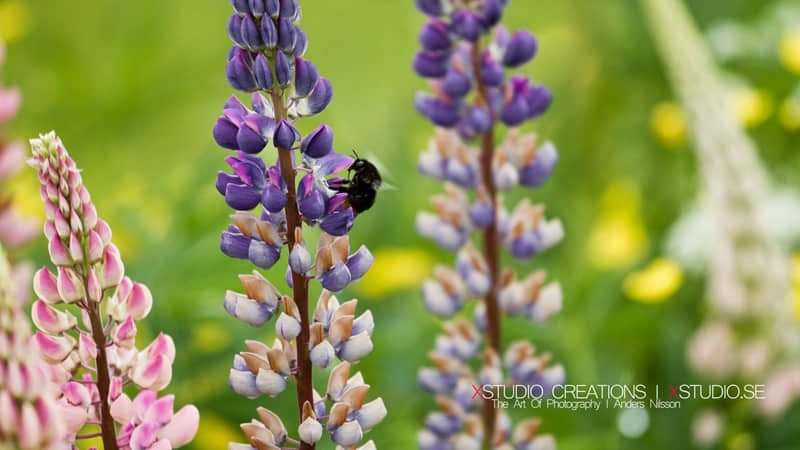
[386, 175]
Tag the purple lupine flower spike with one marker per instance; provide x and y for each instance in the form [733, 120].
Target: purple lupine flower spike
[472, 95]
[273, 201]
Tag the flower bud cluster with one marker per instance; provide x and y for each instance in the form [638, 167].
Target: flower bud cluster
[93, 359]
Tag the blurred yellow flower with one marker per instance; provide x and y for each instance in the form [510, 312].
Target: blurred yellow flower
[216, 433]
[395, 269]
[789, 51]
[210, 337]
[24, 191]
[742, 441]
[655, 283]
[789, 114]
[751, 106]
[618, 237]
[127, 243]
[668, 124]
[14, 19]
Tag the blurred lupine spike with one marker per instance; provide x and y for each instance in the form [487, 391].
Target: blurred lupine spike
[472, 95]
[273, 197]
[29, 418]
[89, 266]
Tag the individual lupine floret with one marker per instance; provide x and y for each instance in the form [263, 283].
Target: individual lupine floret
[29, 416]
[349, 416]
[445, 295]
[89, 265]
[450, 226]
[526, 436]
[261, 370]
[336, 328]
[530, 233]
[445, 376]
[527, 368]
[335, 268]
[259, 302]
[534, 163]
[461, 340]
[449, 159]
[531, 297]
[473, 270]
[151, 423]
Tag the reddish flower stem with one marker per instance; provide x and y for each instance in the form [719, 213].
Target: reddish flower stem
[491, 245]
[305, 389]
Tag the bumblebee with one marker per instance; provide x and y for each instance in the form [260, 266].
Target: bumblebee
[362, 184]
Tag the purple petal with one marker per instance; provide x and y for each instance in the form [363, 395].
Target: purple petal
[434, 36]
[313, 205]
[333, 163]
[430, 7]
[224, 179]
[456, 83]
[319, 143]
[263, 255]
[235, 245]
[273, 199]
[235, 30]
[285, 135]
[283, 72]
[289, 9]
[521, 49]
[305, 77]
[339, 223]
[337, 278]
[287, 35]
[319, 99]
[239, 73]
[225, 133]
[430, 65]
[540, 168]
[269, 34]
[263, 73]
[466, 24]
[250, 33]
[359, 263]
[301, 43]
[250, 141]
[242, 197]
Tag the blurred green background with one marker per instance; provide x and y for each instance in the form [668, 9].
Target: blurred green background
[134, 88]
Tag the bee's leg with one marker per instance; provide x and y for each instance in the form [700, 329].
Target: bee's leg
[338, 184]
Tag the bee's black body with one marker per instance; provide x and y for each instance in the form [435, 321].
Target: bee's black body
[362, 187]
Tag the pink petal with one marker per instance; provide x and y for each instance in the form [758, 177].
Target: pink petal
[68, 286]
[160, 412]
[144, 436]
[53, 349]
[142, 402]
[76, 393]
[122, 409]
[181, 430]
[58, 254]
[30, 430]
[140, 301]
[113, 270]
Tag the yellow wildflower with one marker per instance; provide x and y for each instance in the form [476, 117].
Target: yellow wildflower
[655, 283]
[796, 283]
[789, 114]
[14, 19]
[668, 124]
[618, 237]
[395, 269]
[210, 337]
[789, 51]
[216, 433]
[751, 106]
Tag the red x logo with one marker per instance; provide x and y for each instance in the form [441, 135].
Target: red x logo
[477, 390]
[674, 391]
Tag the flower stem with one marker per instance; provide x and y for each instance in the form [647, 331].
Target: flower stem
[103, 379]
[491, 241]
[305, 388]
